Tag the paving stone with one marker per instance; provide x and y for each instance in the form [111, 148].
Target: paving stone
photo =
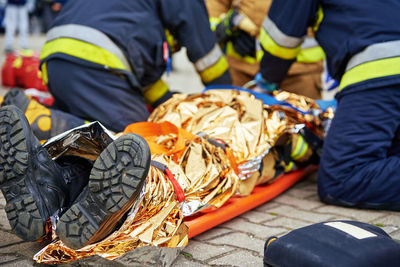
[267, 206]
[396, 235]
[310, 216]
[298, 203]
[240, 258]
[186, 261]
[20, 263]
[25, 250]
[355, 214]
[201, 251]
[8, 258]
[259, 231]
[241, 240]
[149, 256]
[8, 239]
[303, 194]
[288, 223]
[214, 232]
[256, 216]
[389, 220]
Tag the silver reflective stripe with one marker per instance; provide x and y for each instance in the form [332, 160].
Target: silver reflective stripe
[375, 52]
[88, 35]
[279, 37]
[208, 60]
[352, 230]
[309, 42]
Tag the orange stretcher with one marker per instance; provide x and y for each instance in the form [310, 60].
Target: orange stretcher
[238, 205]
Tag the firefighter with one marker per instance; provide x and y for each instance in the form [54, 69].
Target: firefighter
[103, 60]
[360, 159]
[238, 23]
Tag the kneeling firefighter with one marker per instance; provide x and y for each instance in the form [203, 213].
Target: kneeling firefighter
[103, 60]
[360, 159]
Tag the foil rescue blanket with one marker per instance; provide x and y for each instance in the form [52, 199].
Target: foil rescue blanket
[213, 143]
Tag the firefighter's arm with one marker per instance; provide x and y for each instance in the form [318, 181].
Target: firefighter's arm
[188, 23]
[282, 34]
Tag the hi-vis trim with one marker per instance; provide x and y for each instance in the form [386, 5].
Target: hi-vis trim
[279, 37]
[210, 59]
[88, 35]
[155, 91]
[375, 52]
[376, 61]
[274, 49]
[352, 230]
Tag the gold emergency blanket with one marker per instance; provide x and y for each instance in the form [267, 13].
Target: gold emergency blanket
[203, 172]
[236, 117]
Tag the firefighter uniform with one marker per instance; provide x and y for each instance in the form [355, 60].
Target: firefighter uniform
[304, 77]
[104, 59]
[360, 160]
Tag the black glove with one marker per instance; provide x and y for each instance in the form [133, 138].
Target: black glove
[244, 44]
[227, 27]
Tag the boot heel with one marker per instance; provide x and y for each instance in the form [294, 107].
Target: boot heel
[116, 179]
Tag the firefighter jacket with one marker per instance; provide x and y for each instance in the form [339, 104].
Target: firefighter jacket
[129, 37]
[360, 38]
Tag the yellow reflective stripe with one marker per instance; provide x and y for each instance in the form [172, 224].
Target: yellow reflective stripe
[214, 22]
[83, 50]
[371, 70]
[259, 55]
[311, 55]
[289, 167]
[155, 91]
[230, 51]
[215, 71]
[274, 49]
[318, 18]
[300, 149]
[45, 77]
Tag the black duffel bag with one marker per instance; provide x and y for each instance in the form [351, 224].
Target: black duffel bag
[335, 243]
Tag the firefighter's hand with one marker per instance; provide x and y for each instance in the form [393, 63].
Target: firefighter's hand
[244, 44]
[228, 26]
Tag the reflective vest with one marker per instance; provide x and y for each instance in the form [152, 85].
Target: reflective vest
[360, 37]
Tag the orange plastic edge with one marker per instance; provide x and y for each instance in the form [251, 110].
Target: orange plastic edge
[238, 205]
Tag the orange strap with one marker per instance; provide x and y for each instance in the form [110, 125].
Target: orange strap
[152, 130]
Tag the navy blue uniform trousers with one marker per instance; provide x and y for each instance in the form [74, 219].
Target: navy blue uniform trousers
[95, 94]
[360, 163]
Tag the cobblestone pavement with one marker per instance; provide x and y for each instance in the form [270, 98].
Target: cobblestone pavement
[238, 242]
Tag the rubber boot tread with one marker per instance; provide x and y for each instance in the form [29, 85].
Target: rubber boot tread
[115, 182]
[21, 208]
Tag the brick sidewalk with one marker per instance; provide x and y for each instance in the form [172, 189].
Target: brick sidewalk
[238, 242]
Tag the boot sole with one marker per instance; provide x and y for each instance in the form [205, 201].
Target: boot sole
[21, 205]
[116, 179]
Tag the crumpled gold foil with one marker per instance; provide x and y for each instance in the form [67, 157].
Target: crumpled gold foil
[249, 127]
[236, 117]
[203, 172]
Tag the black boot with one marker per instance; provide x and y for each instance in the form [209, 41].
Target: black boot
[30, 180]
[116, 180]
[75, 172]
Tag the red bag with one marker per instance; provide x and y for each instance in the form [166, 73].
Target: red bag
[21, 69]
